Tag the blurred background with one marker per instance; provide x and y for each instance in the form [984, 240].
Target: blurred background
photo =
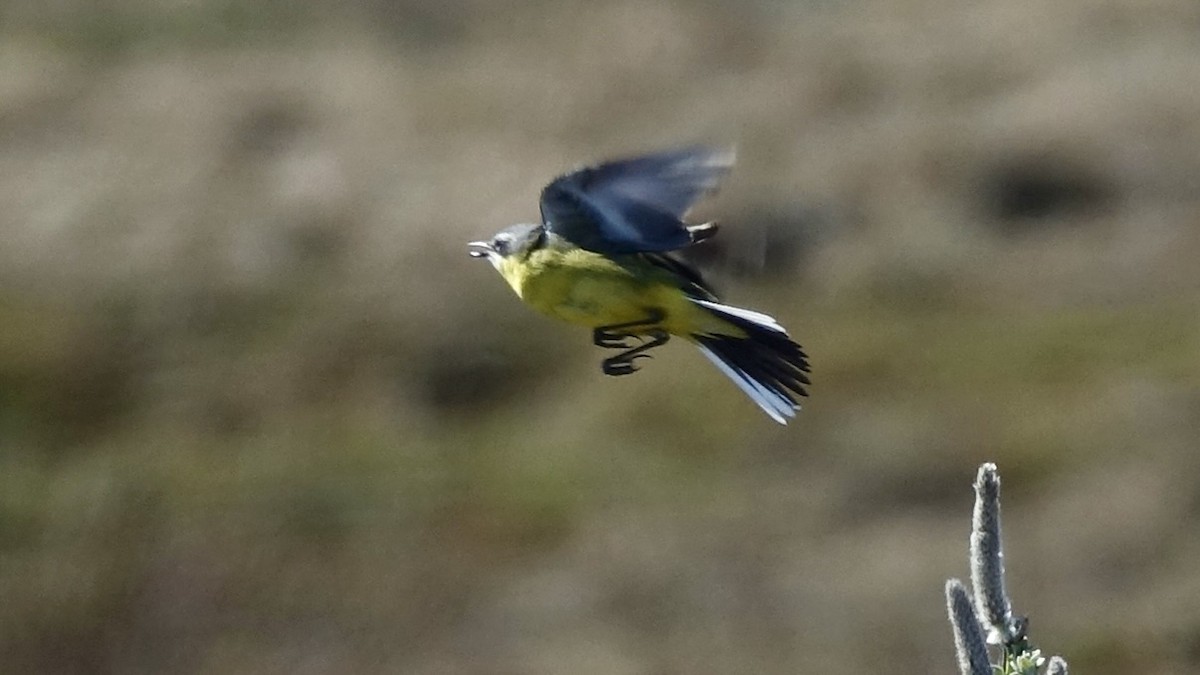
[260, 413]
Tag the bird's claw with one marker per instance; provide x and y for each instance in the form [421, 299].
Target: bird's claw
[611, 340]
[617, 366]
[618, 335]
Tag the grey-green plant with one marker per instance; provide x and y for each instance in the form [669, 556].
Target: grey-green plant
[985, 615]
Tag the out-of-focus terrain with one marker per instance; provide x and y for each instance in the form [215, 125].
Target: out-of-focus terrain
[260, 413]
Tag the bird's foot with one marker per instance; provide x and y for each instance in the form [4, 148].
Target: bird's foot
[617, 336]
[610, 339]
[621, 365]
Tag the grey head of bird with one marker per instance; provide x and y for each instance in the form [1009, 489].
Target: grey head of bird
[515, 240]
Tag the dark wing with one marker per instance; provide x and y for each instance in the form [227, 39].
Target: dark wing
[633, 205]
[689, 278]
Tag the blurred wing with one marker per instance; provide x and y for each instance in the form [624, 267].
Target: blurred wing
[690, 280]
[633, 205]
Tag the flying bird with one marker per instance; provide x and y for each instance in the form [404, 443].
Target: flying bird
[601, 258]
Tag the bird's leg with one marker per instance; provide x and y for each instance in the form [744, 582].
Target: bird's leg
[615, 336]
[622, 364]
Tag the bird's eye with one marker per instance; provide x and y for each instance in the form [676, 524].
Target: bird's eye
[501, 244]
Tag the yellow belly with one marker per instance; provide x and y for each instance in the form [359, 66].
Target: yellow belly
[591, 290]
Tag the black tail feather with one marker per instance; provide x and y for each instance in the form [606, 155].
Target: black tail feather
[766, 363]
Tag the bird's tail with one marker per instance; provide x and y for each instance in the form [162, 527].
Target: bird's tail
[763, 362]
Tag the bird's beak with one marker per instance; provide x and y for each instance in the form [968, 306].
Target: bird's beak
[480, 249]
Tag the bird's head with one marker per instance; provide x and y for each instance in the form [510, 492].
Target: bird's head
[511, 243]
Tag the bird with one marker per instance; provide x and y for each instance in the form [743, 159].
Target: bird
[601, 257]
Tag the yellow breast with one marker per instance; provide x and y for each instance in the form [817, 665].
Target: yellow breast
[592, 290]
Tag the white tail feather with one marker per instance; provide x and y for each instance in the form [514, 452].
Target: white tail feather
[757, 318]
[775, 405]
